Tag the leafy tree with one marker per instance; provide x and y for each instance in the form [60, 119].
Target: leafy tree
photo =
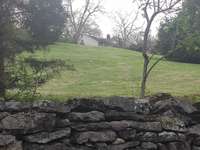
[180, 36]
[27, 25]
[167, 36]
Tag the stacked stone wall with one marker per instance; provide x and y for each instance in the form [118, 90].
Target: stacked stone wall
[160, 122]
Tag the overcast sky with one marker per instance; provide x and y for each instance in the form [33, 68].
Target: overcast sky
[105, 21]
[111, 6]
[124, 6]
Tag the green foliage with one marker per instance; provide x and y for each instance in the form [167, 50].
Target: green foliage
[26, 75]
[45, 20]
[27, 26]
[179, 37]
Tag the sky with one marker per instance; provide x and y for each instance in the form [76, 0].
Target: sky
[105, 20]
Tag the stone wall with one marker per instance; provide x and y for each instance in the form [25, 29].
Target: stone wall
[160, 122]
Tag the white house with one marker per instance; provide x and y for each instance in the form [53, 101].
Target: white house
[89, 40]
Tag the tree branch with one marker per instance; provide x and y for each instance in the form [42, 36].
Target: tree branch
[154, 64]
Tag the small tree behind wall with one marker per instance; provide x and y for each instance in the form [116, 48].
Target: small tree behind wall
[151, 9]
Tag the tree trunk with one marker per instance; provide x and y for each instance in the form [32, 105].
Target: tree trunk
[144, 76]
[2, 78]
[76, 38]
[146, 62]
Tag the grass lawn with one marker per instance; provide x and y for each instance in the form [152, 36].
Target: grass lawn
[107, 71]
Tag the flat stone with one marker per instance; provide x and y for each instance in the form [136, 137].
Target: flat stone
[51, 107]
[93, 116]
[101, 146]
[105, 136]
[120, 125]
[162, 147]
[15, 146]
[147, 126]
[172, 146]
[111, 103]
[167, 137]
[143, 126]
[161, 107]
[128, 134]
[176, 106]
[118, 141]
[197, 106]
[150, 137]
[118, 116]
[195, 116]
[139, 148]
[194, 130]
[149, 146]
[184, 146]
[197, 141]
[182, 137]
[124, 146]
[14, 106]
[160, 97]
[3, 115]
[62, 123]
[141, 106]
[40, 106]
[86, 105]
[178, 146]
[186, 107]
[23, 123]
[195, 148]
[173, 124]
[91, 126]
[6, 140]
[55, 146]
[45, 137]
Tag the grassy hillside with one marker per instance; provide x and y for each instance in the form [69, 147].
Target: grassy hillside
[111, 71]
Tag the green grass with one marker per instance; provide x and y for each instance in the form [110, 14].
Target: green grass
[104, 71]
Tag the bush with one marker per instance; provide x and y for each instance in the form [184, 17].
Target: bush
[179, 37]
[24, 76]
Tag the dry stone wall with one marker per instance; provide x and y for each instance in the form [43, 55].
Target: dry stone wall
[160, 122]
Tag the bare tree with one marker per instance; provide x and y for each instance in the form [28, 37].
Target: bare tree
[138, 42]
[79, 18]
[125, 28]
[92, 28]
[151, 9]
